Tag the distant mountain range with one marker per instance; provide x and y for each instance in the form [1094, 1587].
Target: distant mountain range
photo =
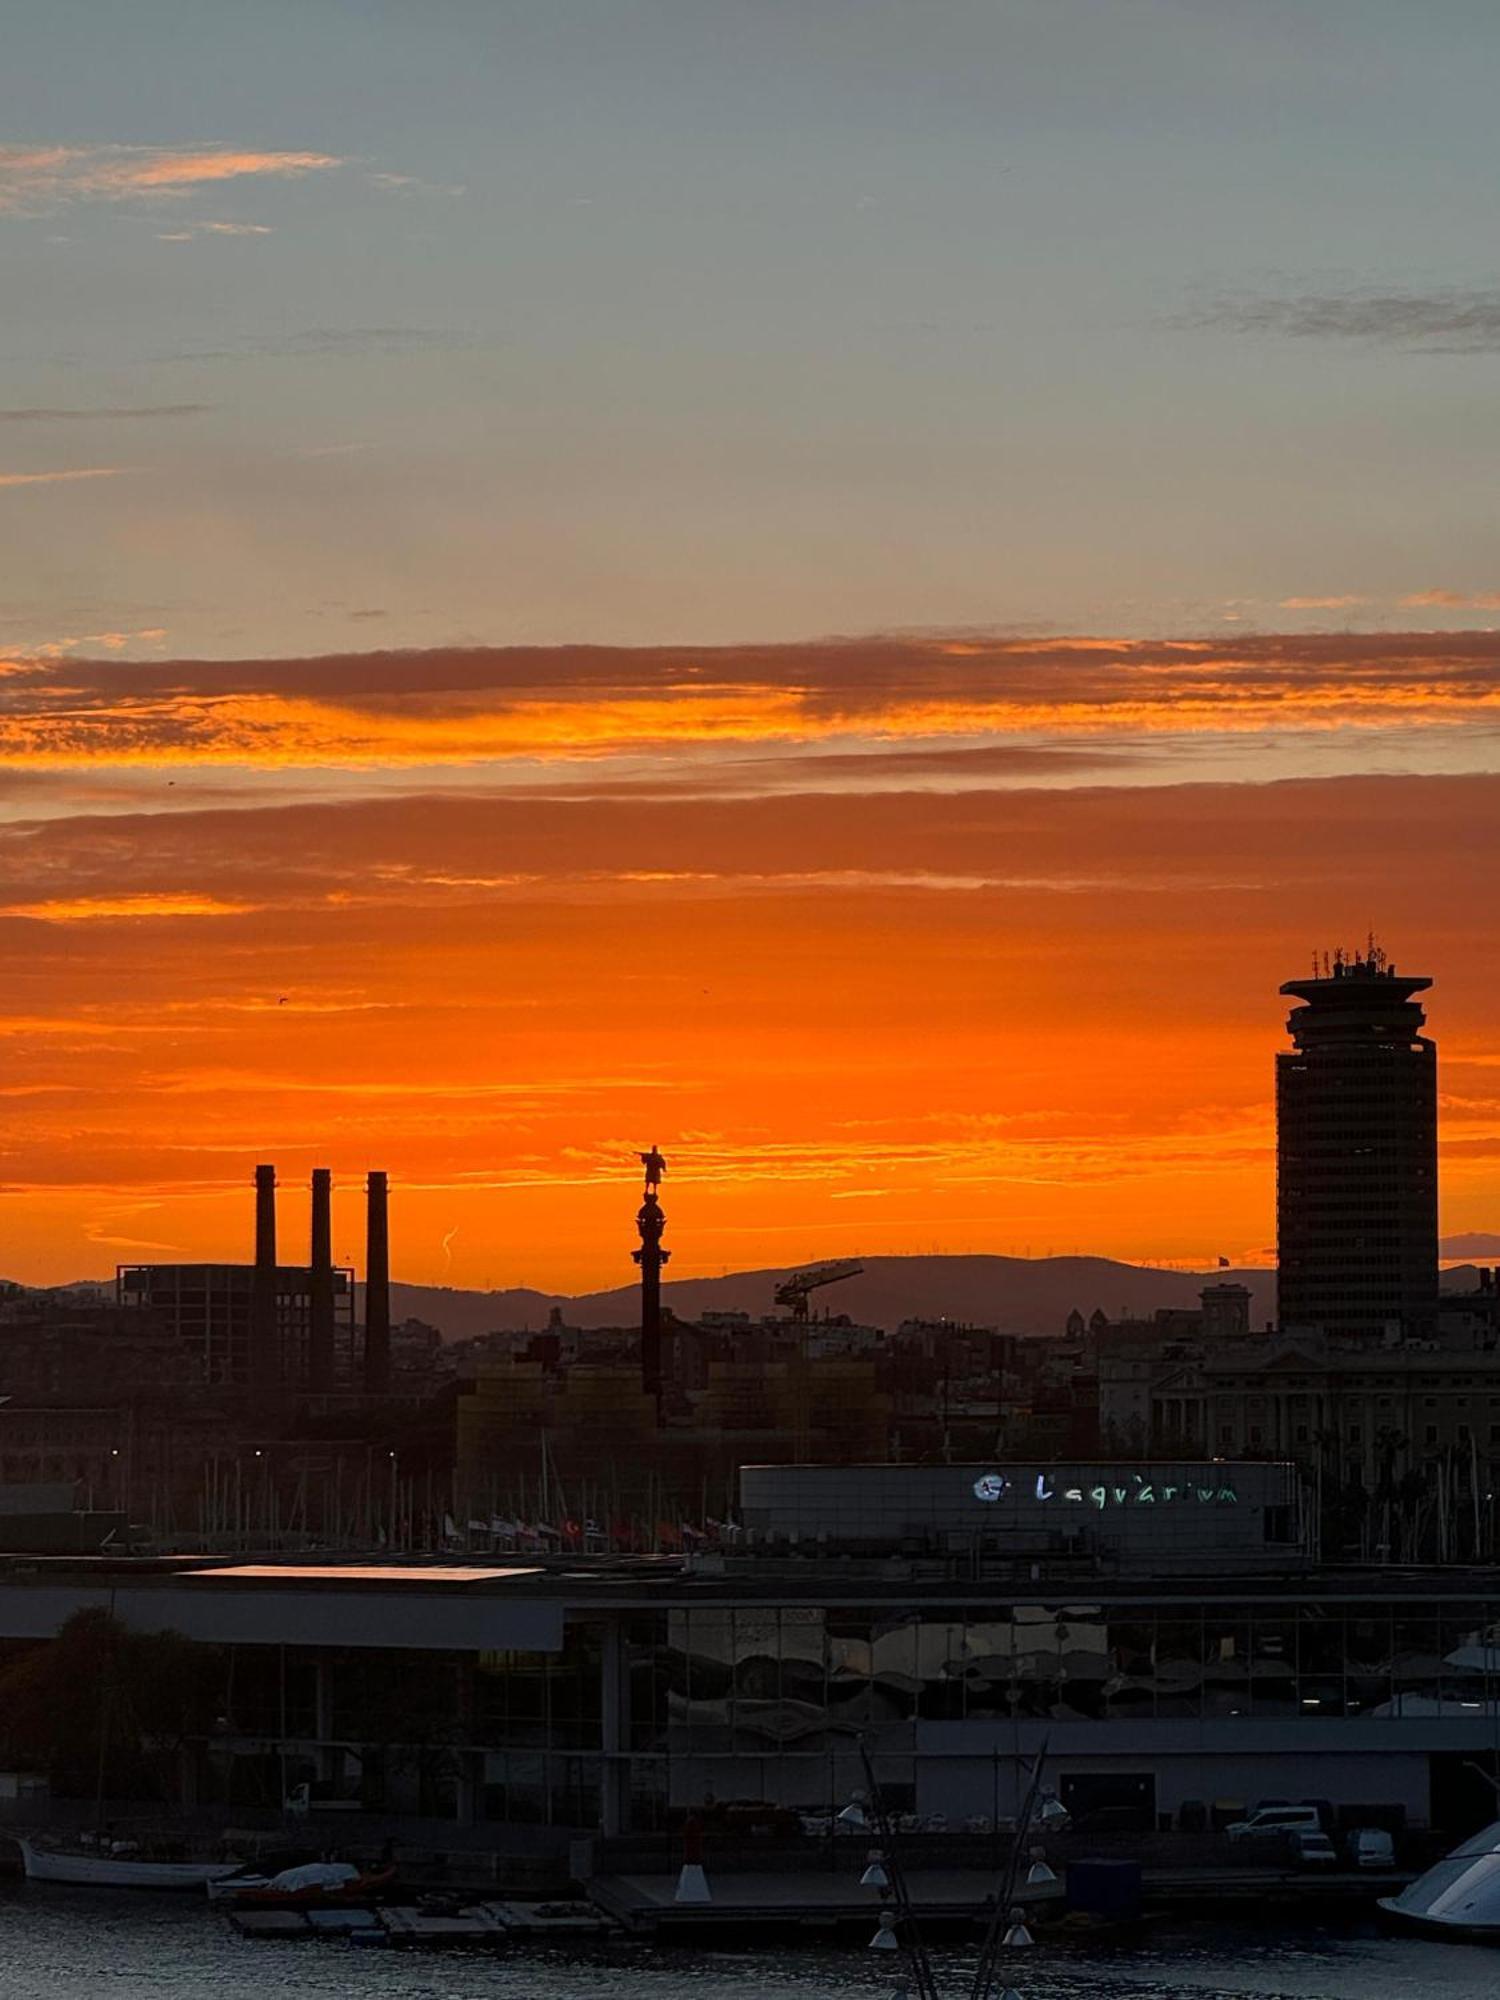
[1015, 1294]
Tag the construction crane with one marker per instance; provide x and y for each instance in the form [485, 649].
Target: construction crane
[793, 1291]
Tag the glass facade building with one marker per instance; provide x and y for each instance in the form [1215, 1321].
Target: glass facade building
[585, 1693]
[644, 1711]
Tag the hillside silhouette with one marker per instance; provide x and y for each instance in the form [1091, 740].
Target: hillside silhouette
[1016, 1294]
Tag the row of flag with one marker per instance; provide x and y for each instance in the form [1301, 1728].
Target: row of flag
[620, 1536]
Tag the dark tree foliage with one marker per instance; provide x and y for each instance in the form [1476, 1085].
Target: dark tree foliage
[136, 1697]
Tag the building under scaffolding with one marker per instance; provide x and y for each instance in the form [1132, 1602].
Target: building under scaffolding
[210, 1310]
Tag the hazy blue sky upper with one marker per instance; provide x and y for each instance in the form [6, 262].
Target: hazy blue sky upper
[412, 321]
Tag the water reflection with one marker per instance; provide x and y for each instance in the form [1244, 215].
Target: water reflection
[66, 1946]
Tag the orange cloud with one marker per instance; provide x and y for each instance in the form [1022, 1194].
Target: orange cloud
[386, 711]
[113, 642]
[194, 169]
[36, 178]
[94, 909]
[1320, 603]
[1458, 600]
[56, 478]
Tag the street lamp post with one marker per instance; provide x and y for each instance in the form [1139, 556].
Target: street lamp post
[1003, 1931]
[899, 1928]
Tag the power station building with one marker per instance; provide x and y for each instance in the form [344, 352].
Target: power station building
[274, 1326]
[209, 1310]
[1356, 1155]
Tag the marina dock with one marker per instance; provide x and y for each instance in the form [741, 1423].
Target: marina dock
[818, 1902]
[490, 1925]
[747, 1906]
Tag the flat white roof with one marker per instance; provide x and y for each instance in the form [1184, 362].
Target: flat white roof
[375, 1574]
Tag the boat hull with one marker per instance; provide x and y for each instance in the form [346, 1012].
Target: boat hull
[111, 1871]
[355, 1893]
[1457, 1897]
[1457, 1931]
[229, 1888]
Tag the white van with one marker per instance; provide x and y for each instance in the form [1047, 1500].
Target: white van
[1276, 1819]
[1372, 1847]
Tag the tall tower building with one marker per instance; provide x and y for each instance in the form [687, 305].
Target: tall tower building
[1356, 1153]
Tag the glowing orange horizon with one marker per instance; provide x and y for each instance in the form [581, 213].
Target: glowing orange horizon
[858, 1018]
[67, 712]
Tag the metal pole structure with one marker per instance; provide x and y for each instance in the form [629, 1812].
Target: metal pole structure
[908, 1930]
[984, 1972]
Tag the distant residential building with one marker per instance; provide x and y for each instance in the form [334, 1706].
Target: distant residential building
[609, 1445]
[1225, 1311]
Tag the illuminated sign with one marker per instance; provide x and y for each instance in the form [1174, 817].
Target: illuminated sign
[1137, 1491]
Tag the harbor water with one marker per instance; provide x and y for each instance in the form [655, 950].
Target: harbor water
[80, 1945]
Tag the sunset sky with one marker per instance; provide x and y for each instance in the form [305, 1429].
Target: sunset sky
[843, 587]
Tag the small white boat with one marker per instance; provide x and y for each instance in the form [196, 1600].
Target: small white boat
[1458, 1896]
[225, 1888]
[305, 1882]
[104, 1866]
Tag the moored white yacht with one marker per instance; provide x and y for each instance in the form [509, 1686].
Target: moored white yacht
[94, 1861]
[1458, 1896]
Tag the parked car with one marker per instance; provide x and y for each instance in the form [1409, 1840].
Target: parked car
[1371, 1847]
[1276, 1820]
[1312, 1850]
[1116, 1819]
[749, 1817]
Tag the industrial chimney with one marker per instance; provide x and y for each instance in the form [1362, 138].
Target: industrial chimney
[377, 1288]
[320, 1284]
[265, 1218]
[263, 1363]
